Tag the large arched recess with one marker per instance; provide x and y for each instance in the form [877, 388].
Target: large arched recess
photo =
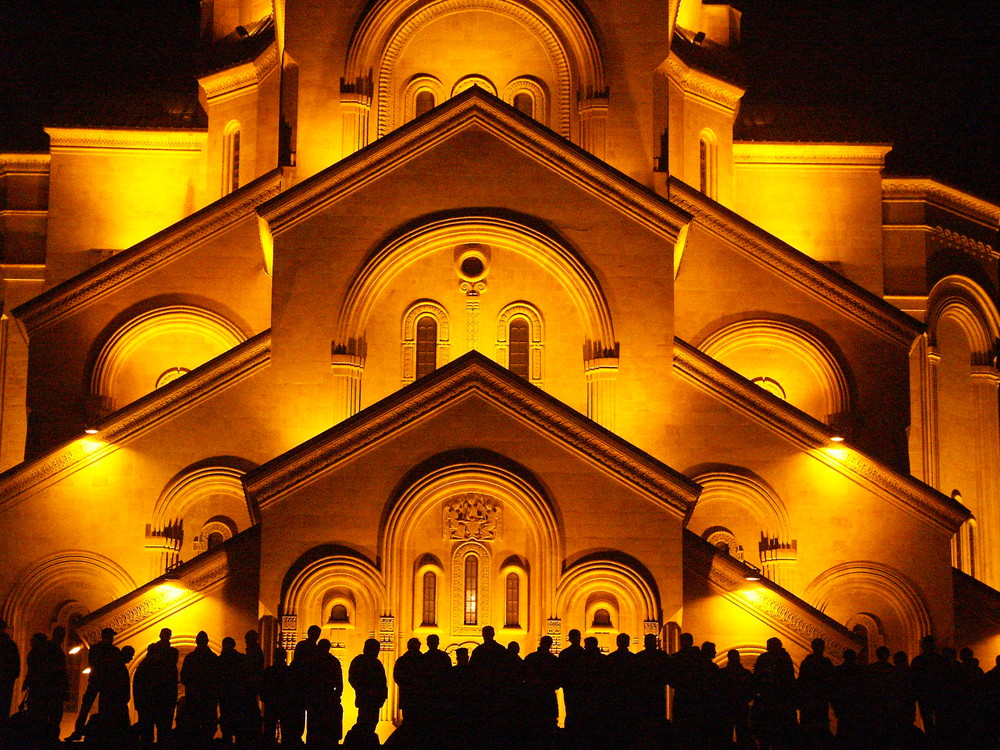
[549, 253]
[968, 304]
[559, 25]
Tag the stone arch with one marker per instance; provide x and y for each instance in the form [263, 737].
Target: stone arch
[573, 274]
[315, 575]
[198, 323]
[875, 584]
[629, 587]
[66, 575]
[414, 312]
[417, 84]
[824, 368]
[566, 34]
[536, 342]
[967, 303]
[520, 499]
[536, 90]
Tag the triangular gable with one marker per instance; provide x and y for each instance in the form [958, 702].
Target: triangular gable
[471, 373]
[797, 268]
[474, 109]
[166, 246]
[810, 435]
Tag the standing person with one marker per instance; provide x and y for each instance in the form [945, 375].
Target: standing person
[10, 670]
[57, 656]
[849, 700]
[275, 687]
[156, 690]
[574, 688]
[115, 727]
[44, 688]
[408, 674]
[326, 722]
[367, 676]
[622, 697]
[462, 701]
[814, 689]
[652, 668]
[200, 675]
[301, 678]
[490, 668]
[100, 659]
[238, 713]
[685, 673]
[595, 693]
[255, 670]
[925, 670]
[774, 705]
[541, 680]
[736, 688]
[437, 666]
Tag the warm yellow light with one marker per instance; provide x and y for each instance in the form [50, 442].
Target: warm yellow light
[837, 438]
[87, 670]
[91, 430]
[76, 649]
[170, 590]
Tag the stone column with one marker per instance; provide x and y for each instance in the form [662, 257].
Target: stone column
[985, 382]
[602, 375]
[347, 372]
[776, 558]
[593, 111]
[356, 108]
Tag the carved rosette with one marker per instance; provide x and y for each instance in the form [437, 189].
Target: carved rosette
[472, 516]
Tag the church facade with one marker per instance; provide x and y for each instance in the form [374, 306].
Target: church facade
[453, 313]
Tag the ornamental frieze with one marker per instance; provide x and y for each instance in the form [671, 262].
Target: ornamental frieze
[472, 516]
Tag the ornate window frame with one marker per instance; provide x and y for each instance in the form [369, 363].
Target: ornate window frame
[420, 309]
[484, 613]
[538, 93]
[536, 341]
[428, 564]
[607, 602]
[416, 84]
[515, 566]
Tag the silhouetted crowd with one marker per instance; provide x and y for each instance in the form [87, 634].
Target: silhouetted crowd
[494, 699]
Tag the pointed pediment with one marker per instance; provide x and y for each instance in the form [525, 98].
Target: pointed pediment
[498, 390]
[475, 110]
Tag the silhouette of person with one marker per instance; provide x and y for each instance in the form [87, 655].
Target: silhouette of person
[10, 670]
[45, 689]
[902, 707]
[60, 680]
[462, 701]
[774, 707]
[408, 674]
[574, 688]
[849, 700]
[113, 722]
[326, 712]
[736, 690]
[200, 675]
[950, 709]
[991, 706]
[367, 676]
[815, 689]
[489, 666]
[436, 669]
[877, 694]
[255, 667]
[926, 673]
[652, 670]
[302, 668]
[238, 713]
[685, 675]
[710, 692]
[100, 658]
[275, 690]
[541, 707]
[155, 690]
[595, 696]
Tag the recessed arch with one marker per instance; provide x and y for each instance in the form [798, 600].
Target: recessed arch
[535, 90]
[209, 332]
[553, 256]
[875, 583]
[609, 577]
[212, 477]
[305, 593]
[442, 343]
[385, 30]
[536, 338]
[749, 491]
[966, 303]
[414, 87]
[824, 374]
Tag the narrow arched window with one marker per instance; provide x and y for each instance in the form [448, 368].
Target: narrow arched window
[427, 333]
[707, 167]
[215, 539]
[602, 618]
[430, 600]
[471, 590]
[424, 102]
[524, 103]
[231, 158]
[519, 338]
[338, 614]
[513, 611]
[972, 548]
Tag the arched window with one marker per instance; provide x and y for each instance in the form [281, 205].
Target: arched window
[471, 590]
[338, 614]
[513, 608]
[215, 538]
[707, 163]
[231, 158]
[423, 103]
[524, 103]
[427, 332]
[602, 618]
[520, 347]
[430, 600]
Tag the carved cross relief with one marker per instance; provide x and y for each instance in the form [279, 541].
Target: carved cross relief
[472, 516]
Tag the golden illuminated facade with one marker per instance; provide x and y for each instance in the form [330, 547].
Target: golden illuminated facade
[467, 312]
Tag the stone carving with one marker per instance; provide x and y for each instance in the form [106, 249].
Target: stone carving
[947, 238]
[553, 629]
[472, 516]
[386, 633]
[289, 632]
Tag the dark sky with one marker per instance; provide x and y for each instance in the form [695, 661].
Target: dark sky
[929, 75]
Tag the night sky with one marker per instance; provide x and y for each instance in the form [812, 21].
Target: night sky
[927, 76]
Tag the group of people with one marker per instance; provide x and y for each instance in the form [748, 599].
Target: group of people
[493, 698]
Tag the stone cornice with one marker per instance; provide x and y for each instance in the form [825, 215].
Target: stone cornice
[701, 84]
[856, 155]
[133, 420]
[150, 254]
[245, 75]
[796, 267]
[471, 374]
[765, 600]
[24, 164]
[914, 188]
[474, 109]
[62, 140]
[916, 498]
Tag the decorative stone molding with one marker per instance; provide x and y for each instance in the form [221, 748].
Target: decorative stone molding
[910, 188]
[163, 404]
[387, 633]
[64, 140]
[601, 374]
[553, 629]
[289, 632]
[536, 339]
[11, 164]
[484, 614]
[534, 89]
[473, 516]
[941, 237]
[247, 75]
[698, 83]
[443, 346]
[858, 155]
[916, 498]
[797, 268]
[149, 255]
[473, 373]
